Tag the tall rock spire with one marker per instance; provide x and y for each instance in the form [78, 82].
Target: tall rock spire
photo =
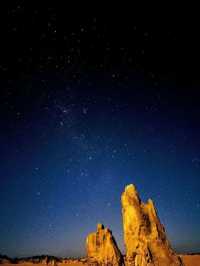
[144, 236]
[102, 248]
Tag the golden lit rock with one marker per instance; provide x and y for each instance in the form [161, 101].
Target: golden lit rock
[102, 248]
[144, 236]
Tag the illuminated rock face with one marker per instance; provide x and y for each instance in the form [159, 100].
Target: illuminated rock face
[144, 236]
[102, 248]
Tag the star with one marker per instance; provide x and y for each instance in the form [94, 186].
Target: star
[85, 110]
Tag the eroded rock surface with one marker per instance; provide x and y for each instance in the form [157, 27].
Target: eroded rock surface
[102, 248]
[144, 236]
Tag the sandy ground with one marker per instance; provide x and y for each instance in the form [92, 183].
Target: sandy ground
[39, 264]
[189, 260]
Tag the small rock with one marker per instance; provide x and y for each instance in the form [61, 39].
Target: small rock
[102, 248]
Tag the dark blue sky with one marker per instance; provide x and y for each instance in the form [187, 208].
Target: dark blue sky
[67, 154]
[88, 104]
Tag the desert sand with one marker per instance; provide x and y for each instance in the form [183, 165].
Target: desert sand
[66, 263]
[188, 260]
[191, 260]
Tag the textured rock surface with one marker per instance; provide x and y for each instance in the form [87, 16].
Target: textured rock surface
[102, 248]
[144, 235]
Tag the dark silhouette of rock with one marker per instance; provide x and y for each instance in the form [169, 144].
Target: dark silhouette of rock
[144, 236]
[102, 248]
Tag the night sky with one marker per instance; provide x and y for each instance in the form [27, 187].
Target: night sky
[89, 104]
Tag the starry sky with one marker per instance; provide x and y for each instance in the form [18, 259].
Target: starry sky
[89, 104]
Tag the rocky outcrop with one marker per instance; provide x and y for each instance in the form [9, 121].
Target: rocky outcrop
[102, 248]
[144, 236]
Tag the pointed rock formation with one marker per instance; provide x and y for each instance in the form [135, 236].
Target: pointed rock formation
[144, 236]
[102, 248]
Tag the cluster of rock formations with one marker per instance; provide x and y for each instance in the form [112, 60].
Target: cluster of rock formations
[144, 237]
